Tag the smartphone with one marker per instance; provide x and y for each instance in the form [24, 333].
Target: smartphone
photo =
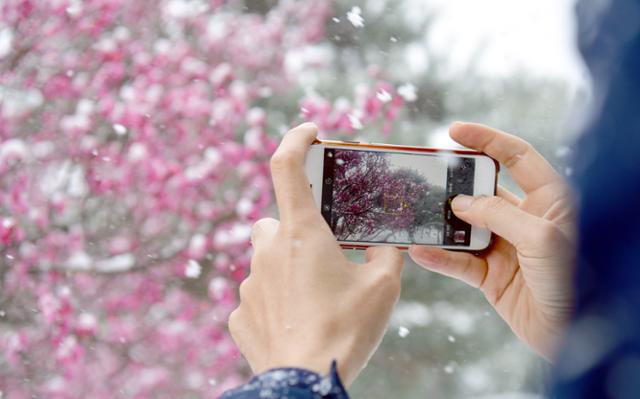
[380, 194]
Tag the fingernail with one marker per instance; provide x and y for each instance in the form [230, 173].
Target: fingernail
[306, 125]
[456, 124]
[462, 202]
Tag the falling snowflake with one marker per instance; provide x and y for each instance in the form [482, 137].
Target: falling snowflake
[450, 367]
[193, 269]
[451, 338]
[6, 37]
[408, 92]
[563, 151]
[383, 96]
[403, 332]
[324, 387]
[119, 129]
[355, 121]
[355, 17]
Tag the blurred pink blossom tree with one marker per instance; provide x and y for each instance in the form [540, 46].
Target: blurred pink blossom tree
[134, 147]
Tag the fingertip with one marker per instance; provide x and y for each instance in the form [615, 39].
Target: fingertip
[456, 125]
[414, 253]
[455, 129]
[302, 135]
[413, 249]
[389, 251]
[461, 133]
[425, 255]
[309, 127]
[369, 253]
[261, 228]
[385, 254]
[471, 135]
[462, 203]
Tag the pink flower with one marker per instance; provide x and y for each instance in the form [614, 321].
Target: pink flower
[132, 172]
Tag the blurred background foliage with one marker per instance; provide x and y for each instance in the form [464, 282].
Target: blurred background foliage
[444, 341]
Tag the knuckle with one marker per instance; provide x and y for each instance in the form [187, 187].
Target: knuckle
[308, 222]
[387, 280]
[254, 234]
[522, 148]
[282, 160]
[245, 289]
[546, 233]
[314, 219]
[486, 207]
[294, 232]
[396, 262]
[234, 321]
[260, 256]
[258, 227]
[494, 203]
[265, 221]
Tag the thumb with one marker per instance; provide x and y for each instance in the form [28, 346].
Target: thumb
[385, 257]
[523, 230]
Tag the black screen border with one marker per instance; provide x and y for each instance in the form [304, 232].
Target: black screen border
[453, 187]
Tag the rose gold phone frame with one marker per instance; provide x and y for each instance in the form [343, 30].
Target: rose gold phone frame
[394, 147]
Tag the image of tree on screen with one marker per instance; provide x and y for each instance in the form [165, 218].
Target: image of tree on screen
[378, 198]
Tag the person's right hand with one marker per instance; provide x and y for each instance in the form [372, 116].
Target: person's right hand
[526, 274]
[304, 303]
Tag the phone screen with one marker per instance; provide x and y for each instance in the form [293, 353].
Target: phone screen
[395, 197]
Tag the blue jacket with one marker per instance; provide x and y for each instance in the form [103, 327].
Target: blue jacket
[601, 354]
[291, 383]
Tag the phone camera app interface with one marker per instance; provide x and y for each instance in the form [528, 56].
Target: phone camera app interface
[393, 197]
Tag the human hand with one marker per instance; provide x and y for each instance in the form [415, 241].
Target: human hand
[304, 304]
[526, 274]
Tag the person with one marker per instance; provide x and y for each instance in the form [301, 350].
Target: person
[309, 319]
[288, 319]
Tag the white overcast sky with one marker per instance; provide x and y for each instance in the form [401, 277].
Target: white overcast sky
[433, 168]
[536, 36]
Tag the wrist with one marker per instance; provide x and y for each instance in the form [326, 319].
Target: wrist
[293, 382]
[318, 364]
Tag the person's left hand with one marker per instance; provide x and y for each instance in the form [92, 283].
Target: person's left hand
[527, 272]
[304, 304]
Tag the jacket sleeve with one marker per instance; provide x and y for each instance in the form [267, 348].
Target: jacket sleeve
[291, 383]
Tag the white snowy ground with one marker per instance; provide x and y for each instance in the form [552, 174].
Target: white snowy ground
[425, 235]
